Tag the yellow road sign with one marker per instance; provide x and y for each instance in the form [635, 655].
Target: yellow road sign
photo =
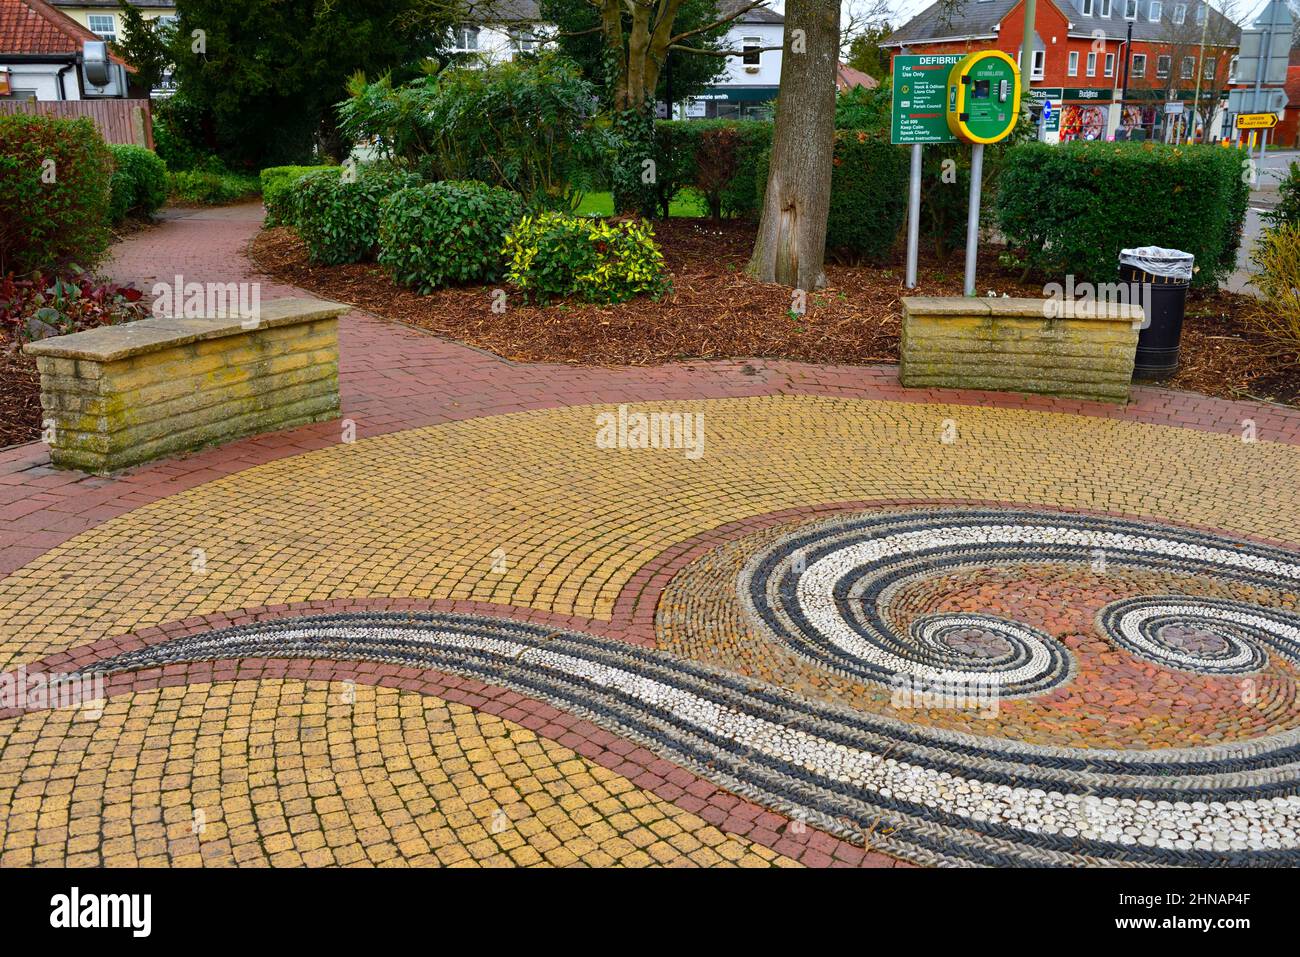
[1256, 121]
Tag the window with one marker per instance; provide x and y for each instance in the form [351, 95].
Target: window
[1040, 64]
[1110, 64]
[1208, 71]
[1232, 70]
[1154, 9]
[103, 24]
[1139, 65]
[1200, 13]
[1162, 66]
[1189, 68]
[523, 41]
[1130, 9]
[465, 39]
[1092, 64]
[1105, 8]
[1180, 14]
[1088, 7]
[753, 54]
[1073, 68]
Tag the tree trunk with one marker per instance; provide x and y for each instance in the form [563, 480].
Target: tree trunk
[791, 244]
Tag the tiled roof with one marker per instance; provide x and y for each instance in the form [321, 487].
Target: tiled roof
[846, 77]
[33, 26]
[979, 17]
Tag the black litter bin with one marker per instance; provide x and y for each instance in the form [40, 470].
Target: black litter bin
[1164, 276]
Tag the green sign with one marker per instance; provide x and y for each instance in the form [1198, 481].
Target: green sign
[920, 98]
[1040, 93]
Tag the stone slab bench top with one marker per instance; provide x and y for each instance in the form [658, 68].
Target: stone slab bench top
[1022, 308]
[121, 341]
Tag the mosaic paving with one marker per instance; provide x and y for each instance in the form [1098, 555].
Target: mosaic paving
[931, 796]
[779, 632]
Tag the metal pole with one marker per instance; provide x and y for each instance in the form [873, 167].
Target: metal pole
[1027, 51]
[913, 216]
[1200, 59]
[973, 223]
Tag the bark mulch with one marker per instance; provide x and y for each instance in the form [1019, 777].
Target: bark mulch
[715, 311]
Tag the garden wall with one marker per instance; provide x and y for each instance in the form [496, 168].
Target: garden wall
[1019, 345]
[124, 394]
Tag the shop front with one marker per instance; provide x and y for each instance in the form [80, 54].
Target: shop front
[1086, 114]
[733, 103]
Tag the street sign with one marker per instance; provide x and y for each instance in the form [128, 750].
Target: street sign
[984, 97]
[1261, 101]
[1047, 111]
[1256, 121]
[1266, 46]
[920, 86]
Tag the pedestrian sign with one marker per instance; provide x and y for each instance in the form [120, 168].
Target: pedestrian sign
[920, 84]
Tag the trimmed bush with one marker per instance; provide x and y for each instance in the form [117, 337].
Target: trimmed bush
[54, 192]
[211, 187]
[277, 191]
[554, 255]
[1070, 209]
[339, 221]
[447, 233]
[139, 182]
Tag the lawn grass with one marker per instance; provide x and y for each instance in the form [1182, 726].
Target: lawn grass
[686, 203]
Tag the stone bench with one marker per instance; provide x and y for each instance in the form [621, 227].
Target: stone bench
[1076, 350]
[125, 394]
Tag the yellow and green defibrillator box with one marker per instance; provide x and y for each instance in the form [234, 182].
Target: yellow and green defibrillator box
[983, 97]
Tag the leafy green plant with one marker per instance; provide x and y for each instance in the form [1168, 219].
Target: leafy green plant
[54, 192]
[210, 188]
[441, 234]
[338, 219]
[554, 255]
[277, 191]
[1287, 210]
[526, 126]
[1070, 209]
[138, 184]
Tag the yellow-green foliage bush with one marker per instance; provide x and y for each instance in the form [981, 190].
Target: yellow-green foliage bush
[555, 255]
[1277, 264]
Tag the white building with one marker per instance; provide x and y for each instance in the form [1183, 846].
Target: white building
[746, 90]
[43, 56]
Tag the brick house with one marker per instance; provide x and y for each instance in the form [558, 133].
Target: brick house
[1081, 51]
[42, 56]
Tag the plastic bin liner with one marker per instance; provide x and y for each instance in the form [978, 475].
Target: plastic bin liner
[1157, 261]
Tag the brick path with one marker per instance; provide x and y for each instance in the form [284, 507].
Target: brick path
[296, 522]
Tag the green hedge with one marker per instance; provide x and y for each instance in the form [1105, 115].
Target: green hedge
[554, 255]
[139, 182]
[54, 192]
[339, 221]
[441, 234]
[277, 191]
[211, 187]
[1070, 209]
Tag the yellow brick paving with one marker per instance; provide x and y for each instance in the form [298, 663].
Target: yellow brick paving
[288, 773]
[521, 510]
[525, 510]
